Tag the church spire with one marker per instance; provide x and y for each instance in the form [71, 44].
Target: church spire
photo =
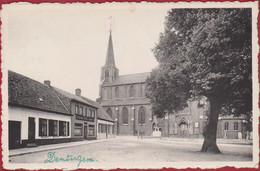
[110, 60]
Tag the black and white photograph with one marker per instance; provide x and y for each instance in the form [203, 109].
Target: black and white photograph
[130, 85]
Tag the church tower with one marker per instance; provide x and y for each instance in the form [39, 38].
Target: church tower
[109, 72]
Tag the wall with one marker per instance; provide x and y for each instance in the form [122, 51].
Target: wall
[22, 114]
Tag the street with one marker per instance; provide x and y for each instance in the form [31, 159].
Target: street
[131, 149]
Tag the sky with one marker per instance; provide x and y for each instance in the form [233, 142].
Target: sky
[67, 44]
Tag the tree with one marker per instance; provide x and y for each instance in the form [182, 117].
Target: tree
[203, 52]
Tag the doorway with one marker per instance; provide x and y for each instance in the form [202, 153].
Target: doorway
[85, 132]
[183, 130]
[31, 130]
[14, 130]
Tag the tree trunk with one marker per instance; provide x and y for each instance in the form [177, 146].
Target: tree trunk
[209, 144]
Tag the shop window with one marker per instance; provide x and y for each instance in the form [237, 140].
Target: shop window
[141, 115]
[125, 115]
[62, 128]
[235, 126]
[99, 128]
[226, 126]
[91, 131]
[78, 129]
[53, 128]
[42, 127]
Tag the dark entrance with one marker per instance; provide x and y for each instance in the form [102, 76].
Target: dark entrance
[14, 130]
[184, 130]
[31, 130]
[85, 132]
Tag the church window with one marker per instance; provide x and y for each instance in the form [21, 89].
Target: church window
[115, 73]
[106, 73]
[109, 112]
[226, 126]
[116, 92]
[132, 91]
[141, 115]
[125, 115]
[235, 126]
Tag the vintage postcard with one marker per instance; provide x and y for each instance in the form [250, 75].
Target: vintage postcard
[130, 85]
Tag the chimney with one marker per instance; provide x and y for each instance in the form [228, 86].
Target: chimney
[78, 92]
[47, 82]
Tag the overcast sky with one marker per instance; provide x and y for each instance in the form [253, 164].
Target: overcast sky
[67, 44]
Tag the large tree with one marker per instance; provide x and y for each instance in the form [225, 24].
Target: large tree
[203, 52]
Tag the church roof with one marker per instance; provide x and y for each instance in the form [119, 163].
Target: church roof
[129, 101]
[26, 92]
[110, 60]
[129, 79]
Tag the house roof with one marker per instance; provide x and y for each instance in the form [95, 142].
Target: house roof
[26, 92]
[129, 79]
[129, 101]
[66, 98]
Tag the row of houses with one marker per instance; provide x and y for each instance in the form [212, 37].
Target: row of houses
[40, 113]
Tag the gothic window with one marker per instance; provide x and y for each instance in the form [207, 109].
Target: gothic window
[106, 73]
[116, 92]
[115, 73]
[109, 112]
[226, 126]
[235, 126]
[125, 115]
[132, 91]
[141, 115]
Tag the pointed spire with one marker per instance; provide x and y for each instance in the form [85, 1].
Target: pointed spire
[110, 60]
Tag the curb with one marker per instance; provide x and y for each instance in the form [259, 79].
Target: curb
[67, 145]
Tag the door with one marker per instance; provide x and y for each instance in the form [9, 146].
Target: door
[184, 131]
[14, 130]
[31, 130]
[85, 132]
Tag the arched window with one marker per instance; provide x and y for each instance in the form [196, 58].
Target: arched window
[125, 115]
[109, 112]
[116, 92]
[106, 73]
[235, 126]
[131, 91]
[141, 115]
[226, 126]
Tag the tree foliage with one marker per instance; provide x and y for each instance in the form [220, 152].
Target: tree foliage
[204, 52]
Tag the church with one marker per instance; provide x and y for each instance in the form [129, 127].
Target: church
[123, 98]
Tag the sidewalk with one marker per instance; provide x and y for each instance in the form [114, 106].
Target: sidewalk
[21, 151]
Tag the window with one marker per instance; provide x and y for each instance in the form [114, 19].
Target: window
[78, 129]
[109, 112]
[91, 130]
[141, 115]
[115, 73]
[131, 91]
[93, 115]
[42, 127]
[226, 126]
[68, 129]
[81, 110]
[106, 73]
[103, 129]
[62, 128]
[76, 109]
[86, 112]
[235, 126]
[116, 92]
[53, 128]
[125, 115]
